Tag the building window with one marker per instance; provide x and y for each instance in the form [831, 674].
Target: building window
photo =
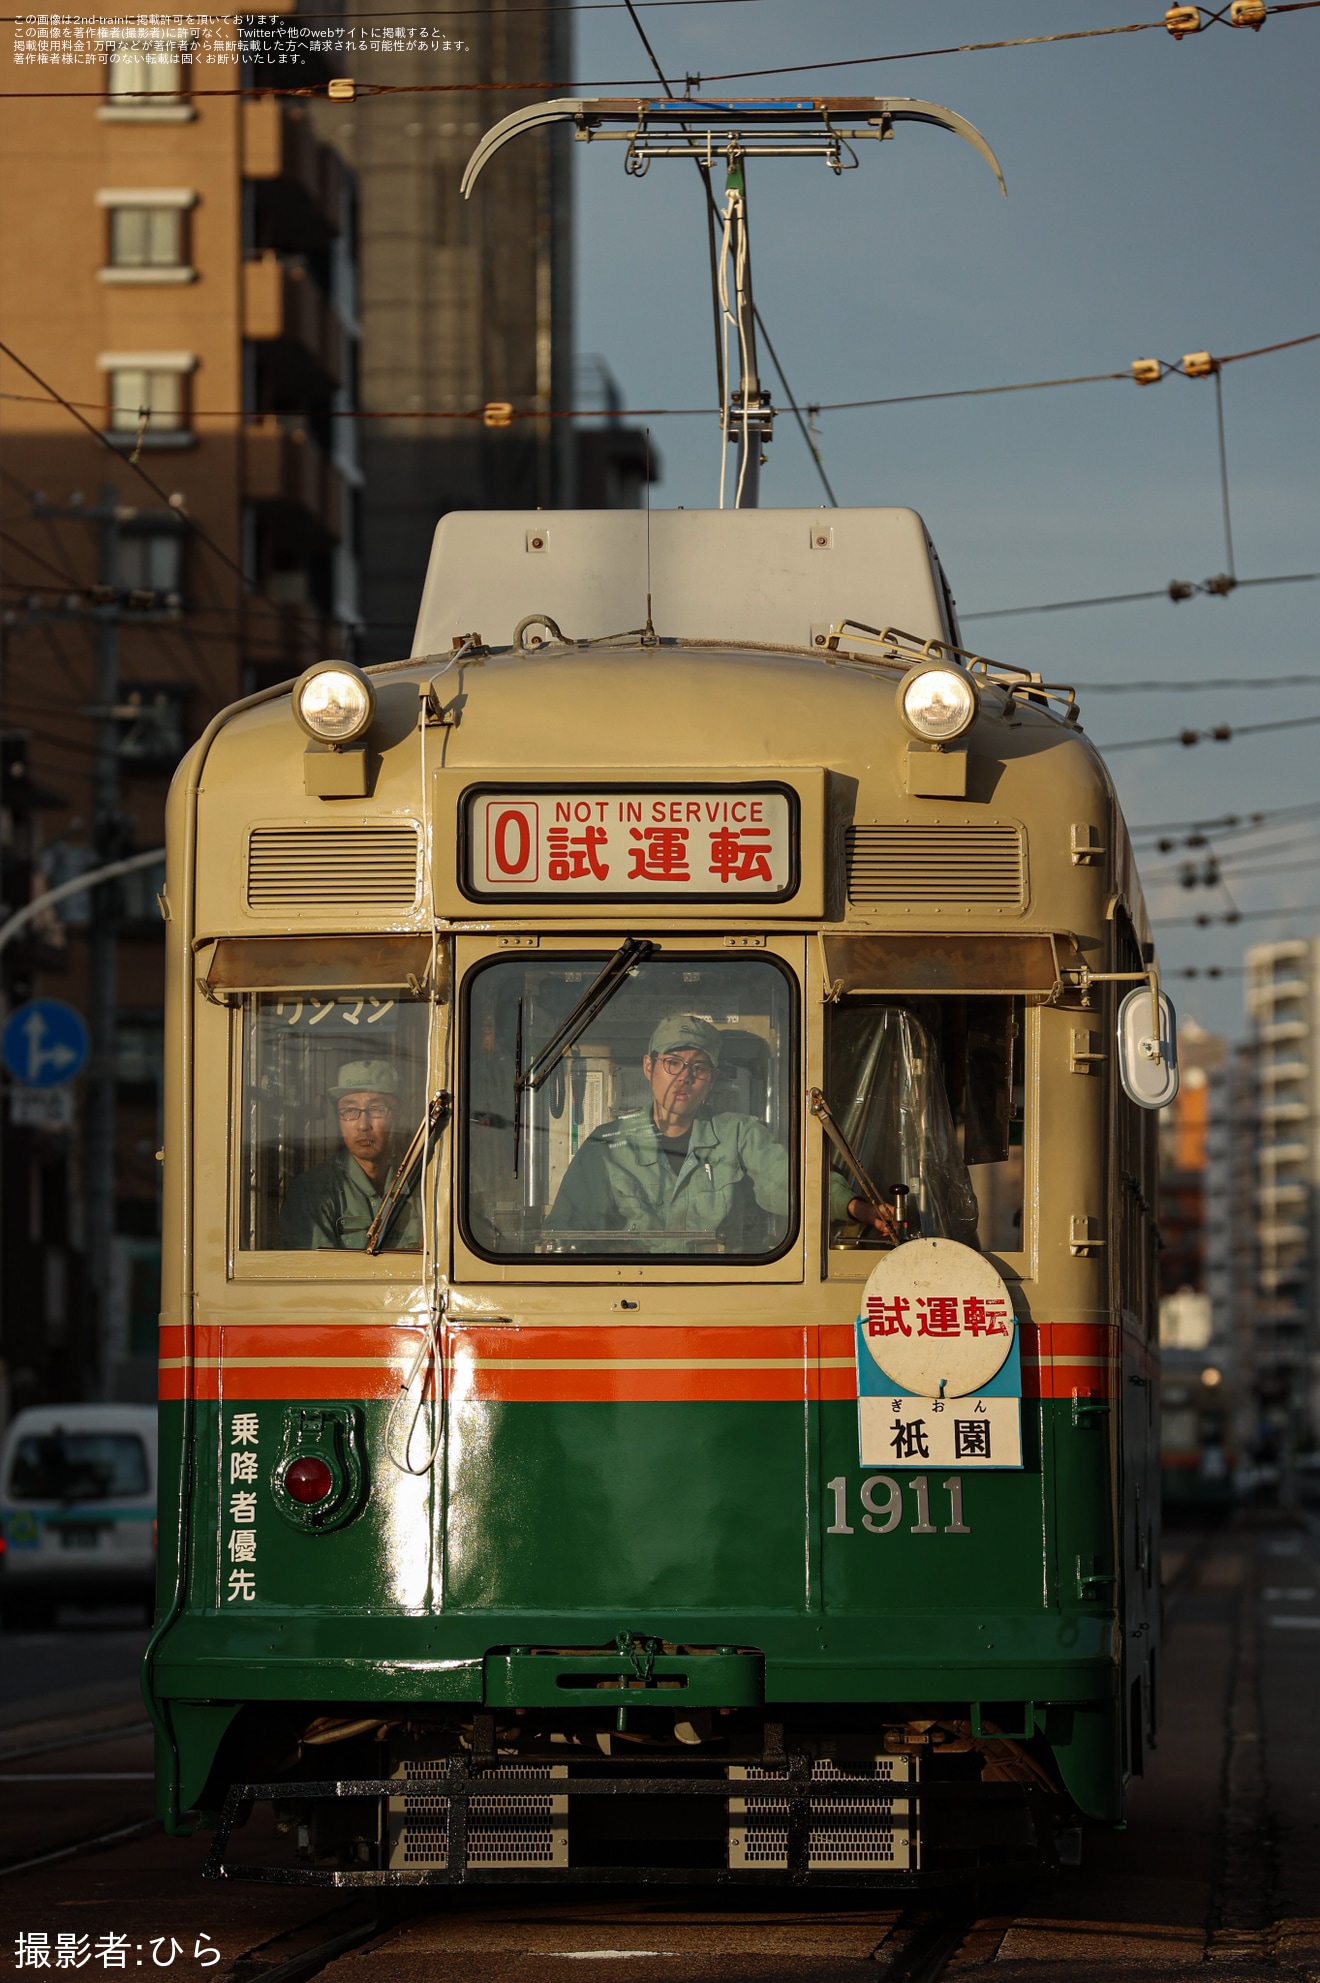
[148, 232]
[142, 69]
[148, 402]
[146, 237]
[151, 561]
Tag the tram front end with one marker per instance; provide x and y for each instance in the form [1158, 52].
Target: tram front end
[657, 1352]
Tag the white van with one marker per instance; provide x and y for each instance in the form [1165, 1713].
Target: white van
[77, 1510]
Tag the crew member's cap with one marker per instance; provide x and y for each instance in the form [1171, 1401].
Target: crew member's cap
[379, 1077]
[685, 1029]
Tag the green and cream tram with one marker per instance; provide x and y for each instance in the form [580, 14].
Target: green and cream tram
[658, 1354]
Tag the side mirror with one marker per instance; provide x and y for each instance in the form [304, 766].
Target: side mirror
[1147, 1068]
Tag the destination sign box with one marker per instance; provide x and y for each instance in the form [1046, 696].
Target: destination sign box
[713, 843]
[939, 1368]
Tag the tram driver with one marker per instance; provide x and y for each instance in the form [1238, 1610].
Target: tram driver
[679, 1167]
[332, 1206]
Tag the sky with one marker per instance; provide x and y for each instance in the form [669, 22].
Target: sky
[1162, 200]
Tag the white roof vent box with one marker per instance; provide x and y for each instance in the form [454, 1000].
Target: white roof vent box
[778, 577]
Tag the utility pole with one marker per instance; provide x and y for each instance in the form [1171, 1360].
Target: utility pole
[103, 954]
[110, 832]
[103, 608]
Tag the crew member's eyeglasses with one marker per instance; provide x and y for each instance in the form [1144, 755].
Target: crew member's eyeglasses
[374, 1112]
[674, 1063]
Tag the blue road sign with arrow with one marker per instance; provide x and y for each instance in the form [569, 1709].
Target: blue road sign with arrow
[44, 1043]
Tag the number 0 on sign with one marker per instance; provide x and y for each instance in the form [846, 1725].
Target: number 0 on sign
[939, 1374]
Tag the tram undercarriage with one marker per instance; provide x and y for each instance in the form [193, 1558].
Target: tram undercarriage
[904, 1796]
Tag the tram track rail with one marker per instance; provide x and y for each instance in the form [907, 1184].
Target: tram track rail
[99, 1841]
[301, 1953]
[78, 1741]
[65, 1735]
[924, 1942]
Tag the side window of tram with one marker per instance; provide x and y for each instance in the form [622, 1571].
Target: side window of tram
[665, 1130]
[930, 1094]
[333, 1088]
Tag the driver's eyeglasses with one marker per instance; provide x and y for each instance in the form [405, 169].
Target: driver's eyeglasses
[700, 1070]
[374, 1112]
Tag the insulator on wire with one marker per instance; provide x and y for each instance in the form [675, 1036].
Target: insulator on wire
[1180, 589]
[1147, 371]
[341, 89]
[1189, 737]
[1182, 20]
[1198, 365]
[1220, 585]
[1247, 14]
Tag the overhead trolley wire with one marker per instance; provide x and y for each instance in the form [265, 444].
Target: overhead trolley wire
[1229, 860]
[1234, 873]
[126, 461]
[478, 413]
[631, 83]
[1227, 823]
[1169, 686]
[1207, 917]
[1222, 733]
[26, 551]
[1177, 591]
[415, 13]
[203, 536]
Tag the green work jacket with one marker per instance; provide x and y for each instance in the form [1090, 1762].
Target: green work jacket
[621, 1181]
[333, 1206]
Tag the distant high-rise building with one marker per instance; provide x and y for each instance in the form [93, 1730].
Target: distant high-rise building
[466, 306]
[1283, 1011]
[1230, 1234]
[1196, 1442]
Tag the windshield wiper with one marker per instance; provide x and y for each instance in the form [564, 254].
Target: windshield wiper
[410, 1164]
[630, 953]
[824, 1115]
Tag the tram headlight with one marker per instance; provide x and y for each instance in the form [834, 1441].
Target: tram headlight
[937, 704]
[334, 702]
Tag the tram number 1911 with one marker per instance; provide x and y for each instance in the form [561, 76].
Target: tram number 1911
[882, 1505]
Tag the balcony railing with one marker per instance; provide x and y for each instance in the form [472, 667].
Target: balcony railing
[278, 144]
[282, 303]
[283, 464]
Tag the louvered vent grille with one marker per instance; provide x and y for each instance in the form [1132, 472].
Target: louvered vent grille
[964, 864]
[358, 869]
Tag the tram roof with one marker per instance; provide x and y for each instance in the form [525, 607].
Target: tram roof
[778, 577]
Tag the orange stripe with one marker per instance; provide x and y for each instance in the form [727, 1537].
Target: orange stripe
[1046, 1348]
[551, 1363]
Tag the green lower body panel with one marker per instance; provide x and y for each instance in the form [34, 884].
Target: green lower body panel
[740, 1540]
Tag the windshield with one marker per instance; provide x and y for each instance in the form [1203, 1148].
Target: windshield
[333, 1091]
[929, 1093]
[78, 1466]
[667, 1128]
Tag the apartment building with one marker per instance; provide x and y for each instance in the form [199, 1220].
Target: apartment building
[1283, 1011]
[180, 269]
[282, 313]
[1197, 1388]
